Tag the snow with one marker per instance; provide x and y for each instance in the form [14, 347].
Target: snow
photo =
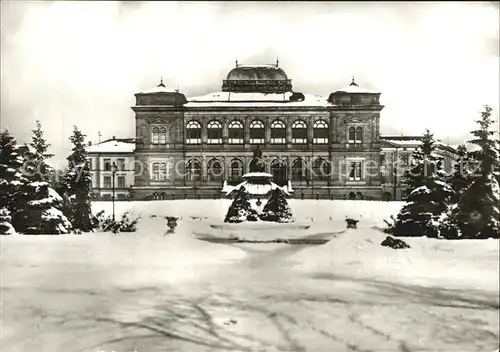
[111, 146]
[147, 291]
[159, 89]
[356, 89]
[254, 99]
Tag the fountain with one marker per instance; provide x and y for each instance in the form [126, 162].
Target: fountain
[257, 182]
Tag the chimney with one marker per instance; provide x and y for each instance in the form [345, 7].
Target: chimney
[90, 143]
[114, 137]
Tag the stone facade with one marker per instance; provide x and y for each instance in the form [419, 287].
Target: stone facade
[197, 147]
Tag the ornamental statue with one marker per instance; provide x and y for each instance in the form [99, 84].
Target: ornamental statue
[257, 164]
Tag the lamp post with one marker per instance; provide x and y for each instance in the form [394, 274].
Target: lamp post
[113, 173]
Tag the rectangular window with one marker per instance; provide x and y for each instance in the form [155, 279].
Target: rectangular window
[121, 181]
[278, 135]
[405, 160]
[120, 164]
[355, 171]
[107, 181]
[107, 164]
[236, 135]
[299, 136]
[193, 136]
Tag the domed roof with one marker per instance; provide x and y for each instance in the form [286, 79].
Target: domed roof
[256, 72]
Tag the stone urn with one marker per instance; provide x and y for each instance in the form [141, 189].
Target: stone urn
[171, 223]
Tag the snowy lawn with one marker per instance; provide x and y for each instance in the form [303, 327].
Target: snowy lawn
[145, 291]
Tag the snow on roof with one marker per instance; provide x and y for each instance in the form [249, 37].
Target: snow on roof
[356, 89]
[159, 89]
[254, 99]
[112, 146]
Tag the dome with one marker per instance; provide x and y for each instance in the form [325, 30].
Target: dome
[257, 72]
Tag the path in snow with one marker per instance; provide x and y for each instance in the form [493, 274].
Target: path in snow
[258, 303]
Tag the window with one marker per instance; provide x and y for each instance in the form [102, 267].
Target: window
[320, 132]
[299, 132]
[257, 133]
[359, 135]
[193, 170]
[278, 170]
[215, 171]
[107, 164]
[107, 181]
[278, 132]
[322, 169]
[355, 171]
[121, 181]
[405, 159]
[193, 132]
[235, 170]
[214, 132]
[355, 134]
[120, 164]
[236, 132]
[298, 170]
[156, 135]
[163, 135]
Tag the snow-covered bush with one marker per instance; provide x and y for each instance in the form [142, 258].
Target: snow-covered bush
[240, 209]
[277, 208]
[394, 243]
[127, 223]
[5, 222]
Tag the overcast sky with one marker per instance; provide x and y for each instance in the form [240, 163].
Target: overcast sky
[80, 63]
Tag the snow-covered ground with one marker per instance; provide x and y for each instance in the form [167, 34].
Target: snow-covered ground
[145, 291]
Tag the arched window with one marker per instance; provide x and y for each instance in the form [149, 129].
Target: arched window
[215, 170]
[214, 132]
[193, 132]
[278, 132]
[236, 132]
[278, 170]
[235, 170]
[299, 132]
[193, 170]
[298, 170]
[163, 135]
[355, 134]
[320, 132]
[352, 134]
[156, 135]
[257, 132]
[359, 135]
[321, 169]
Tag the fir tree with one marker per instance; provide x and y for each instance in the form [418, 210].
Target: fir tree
[6, 227]
[477, 213]
[277, 208]
[240, 209]
[78, 185]
[38, 205]
[11, 176]
[461, 176]
[429, 197]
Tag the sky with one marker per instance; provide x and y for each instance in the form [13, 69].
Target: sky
[80, 63]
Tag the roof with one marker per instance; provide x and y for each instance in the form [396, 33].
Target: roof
[118, 145]
[256, 72]
[254, 99]
[160, 88]
[354, 88]
[412, 141]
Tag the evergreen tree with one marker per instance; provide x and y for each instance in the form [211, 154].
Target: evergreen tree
[477, 213]
[6, 227]
[461, 177]
[429, 197]
[240, 209]
[11, 176]
[277, 208]
[78, 185]
[38, 205]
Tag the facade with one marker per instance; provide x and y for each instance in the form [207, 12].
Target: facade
[396, 158]
[315, 147]
[327, 147]
[102, 158]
